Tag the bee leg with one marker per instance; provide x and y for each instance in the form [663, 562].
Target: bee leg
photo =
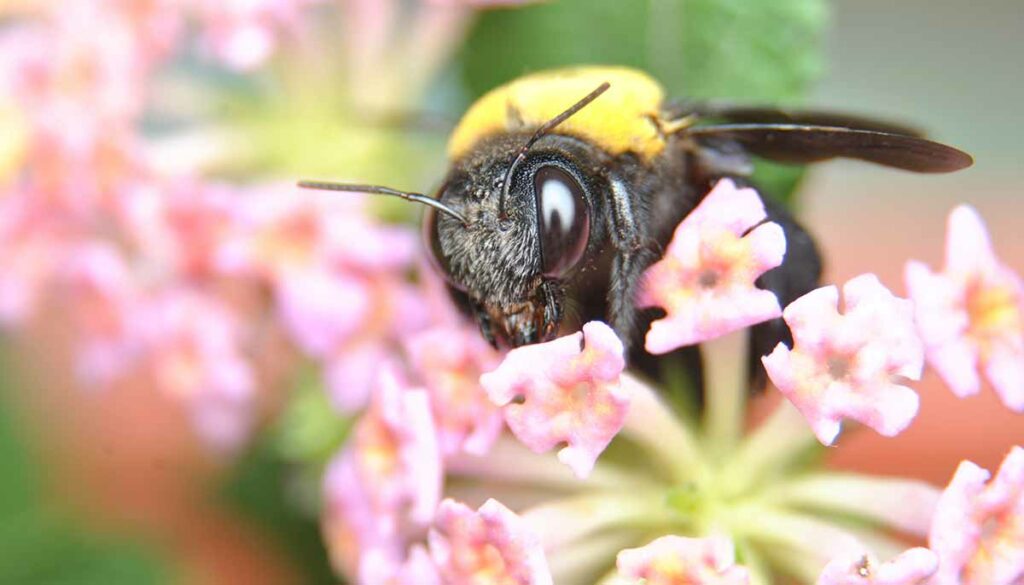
[552, 297]
[483, 319]
[634, 254]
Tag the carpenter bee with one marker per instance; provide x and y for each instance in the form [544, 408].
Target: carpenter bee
[566, 185]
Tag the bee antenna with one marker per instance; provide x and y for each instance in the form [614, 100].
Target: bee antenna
[379, 190]
[543, 130]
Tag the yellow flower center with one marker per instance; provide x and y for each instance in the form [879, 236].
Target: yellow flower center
[994, 312]
[378, 448]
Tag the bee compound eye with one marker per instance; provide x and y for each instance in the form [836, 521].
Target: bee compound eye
[432, 238]
[564, 219]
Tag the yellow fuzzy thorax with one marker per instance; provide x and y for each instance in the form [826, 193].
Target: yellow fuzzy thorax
[623, 119]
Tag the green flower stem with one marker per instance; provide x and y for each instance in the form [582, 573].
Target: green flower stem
[565, 521]
[748, 556]
[578, 562]
[510, 462]
[653, 425]
[779, 441]
[901, 504]
[725, 389]
[800, 543]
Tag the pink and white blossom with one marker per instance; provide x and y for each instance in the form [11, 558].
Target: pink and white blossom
[911, 567]
[564, 391]
[850, 365]
[705, 282]
[676, 560]
[450, 361]
[978, 529]
[395, 448]
[193, 350]
[971, 315]
[490, 545]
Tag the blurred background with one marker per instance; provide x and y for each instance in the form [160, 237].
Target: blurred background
[120, 484]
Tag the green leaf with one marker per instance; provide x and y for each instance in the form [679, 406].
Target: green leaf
[310, 429]
[758, 50]
[753, 51]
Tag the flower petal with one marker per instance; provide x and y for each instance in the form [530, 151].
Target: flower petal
[978, 530]
[912, 567]
[675, 559]
[850, 365]
[705, 282]
[489, 545]
[570, 393]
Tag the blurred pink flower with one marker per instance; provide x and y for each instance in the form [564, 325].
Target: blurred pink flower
[385, 485]
[850, 365]
[705, 282]
[105, 297]
[32, 242]
[673, 560]
[361, 538]
[911, 567]
[570, 393]
[490, 545]
[450, 360]
[244, 33]
[174, 226]
[978, 529]
[971, 315]
[193, 348]
[395, 449]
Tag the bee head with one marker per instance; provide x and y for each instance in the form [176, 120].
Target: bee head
[513, 218]
[528, 225]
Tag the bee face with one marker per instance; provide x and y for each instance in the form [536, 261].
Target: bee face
[521, 241]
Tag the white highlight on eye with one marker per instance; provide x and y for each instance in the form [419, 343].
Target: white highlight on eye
[557, 199]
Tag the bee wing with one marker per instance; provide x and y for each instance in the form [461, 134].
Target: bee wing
[801, 144]
[741, 114]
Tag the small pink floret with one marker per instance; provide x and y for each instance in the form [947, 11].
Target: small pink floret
[971, 315]
[564, 391]
[396, 447]
[978, 529]
[911, 567]
[705, 282]
[449, 360]
[675, 560]
[850, 365]
[491, 545]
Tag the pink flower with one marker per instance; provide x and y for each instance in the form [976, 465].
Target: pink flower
[193, 347]
[850, 365]
[911, 567]
[177, 224]
[244, 33]
[450, 360]
[32, 246]
[104, 296]
[705, 282]
[971, 315]
[396, 451]
[978, 529]
[385, 485]
[491, 545]
[674, 560]
[570, 394]
[362, 538]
